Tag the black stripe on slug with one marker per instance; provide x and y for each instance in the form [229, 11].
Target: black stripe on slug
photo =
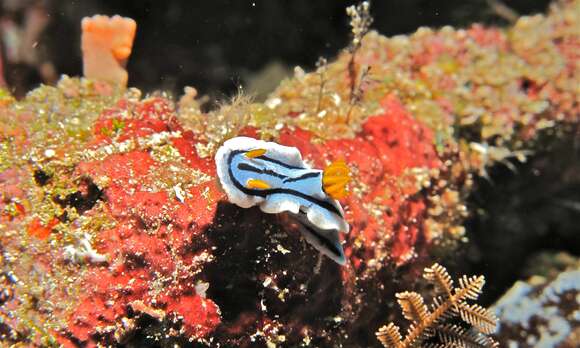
[263, 193]
[328, 244]
[249, 168]
[302, 177]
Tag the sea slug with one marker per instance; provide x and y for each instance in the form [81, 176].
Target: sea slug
[275, 178]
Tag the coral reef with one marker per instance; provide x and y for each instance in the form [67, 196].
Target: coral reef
[437, 323]
[114, 229]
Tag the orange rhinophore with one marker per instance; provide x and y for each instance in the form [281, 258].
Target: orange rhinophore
[257, 184]
[106, 45]
[256, 153]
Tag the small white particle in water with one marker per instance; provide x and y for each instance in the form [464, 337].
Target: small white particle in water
[281, 249]
[273, 102]
[83, 251]
[264, 308]
[267, 282]
[49, 153]
[179, 194]
[201, 289]
[299, 73]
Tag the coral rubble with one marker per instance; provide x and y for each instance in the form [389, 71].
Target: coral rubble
[544, 312]
[114, 229]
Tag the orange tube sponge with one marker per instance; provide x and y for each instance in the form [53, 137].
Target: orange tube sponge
[106, 45]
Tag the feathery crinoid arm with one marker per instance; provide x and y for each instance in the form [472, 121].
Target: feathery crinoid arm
[430, 325]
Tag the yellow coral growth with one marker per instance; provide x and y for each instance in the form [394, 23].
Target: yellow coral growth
[106, 45]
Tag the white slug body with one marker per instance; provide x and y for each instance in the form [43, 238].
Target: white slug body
[275, 178]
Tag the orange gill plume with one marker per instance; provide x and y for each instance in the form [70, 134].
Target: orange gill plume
[335, 178]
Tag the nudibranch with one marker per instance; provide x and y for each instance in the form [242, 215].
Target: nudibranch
[275, 178]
